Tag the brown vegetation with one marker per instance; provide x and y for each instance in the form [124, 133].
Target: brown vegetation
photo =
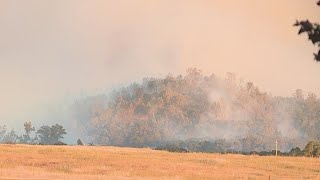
[84, 162]
[197, 106]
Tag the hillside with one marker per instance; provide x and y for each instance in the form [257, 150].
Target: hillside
[199, 107]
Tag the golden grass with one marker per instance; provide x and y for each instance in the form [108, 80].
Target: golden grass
[88, 162]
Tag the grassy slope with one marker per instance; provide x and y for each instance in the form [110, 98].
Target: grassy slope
[75, 162]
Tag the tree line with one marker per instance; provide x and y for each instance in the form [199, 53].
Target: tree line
[312, 149]
[45, 135]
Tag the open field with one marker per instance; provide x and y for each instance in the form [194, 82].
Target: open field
[88, 162]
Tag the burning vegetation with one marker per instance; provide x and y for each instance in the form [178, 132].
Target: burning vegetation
[199, 108]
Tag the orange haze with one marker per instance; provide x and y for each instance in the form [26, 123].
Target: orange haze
[52, 48]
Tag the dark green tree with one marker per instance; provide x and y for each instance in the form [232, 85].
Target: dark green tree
[51, 135]
[295, 152]
[79, 142]
[313, 31]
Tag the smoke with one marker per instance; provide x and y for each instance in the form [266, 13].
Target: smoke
[192, 107]
[181, 108]
[53, 51]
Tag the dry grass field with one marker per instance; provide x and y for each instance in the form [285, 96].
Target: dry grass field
[88, 162]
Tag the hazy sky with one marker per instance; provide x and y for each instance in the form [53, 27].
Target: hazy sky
[49, 49]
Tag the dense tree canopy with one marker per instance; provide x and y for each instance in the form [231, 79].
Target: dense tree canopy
[51, 135]
[195, 106]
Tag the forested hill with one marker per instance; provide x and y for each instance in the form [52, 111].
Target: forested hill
[200, 107]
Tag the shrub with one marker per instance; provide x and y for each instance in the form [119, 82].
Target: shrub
[295, 152]
[79, 142]
[172, 148]
[60, 143]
